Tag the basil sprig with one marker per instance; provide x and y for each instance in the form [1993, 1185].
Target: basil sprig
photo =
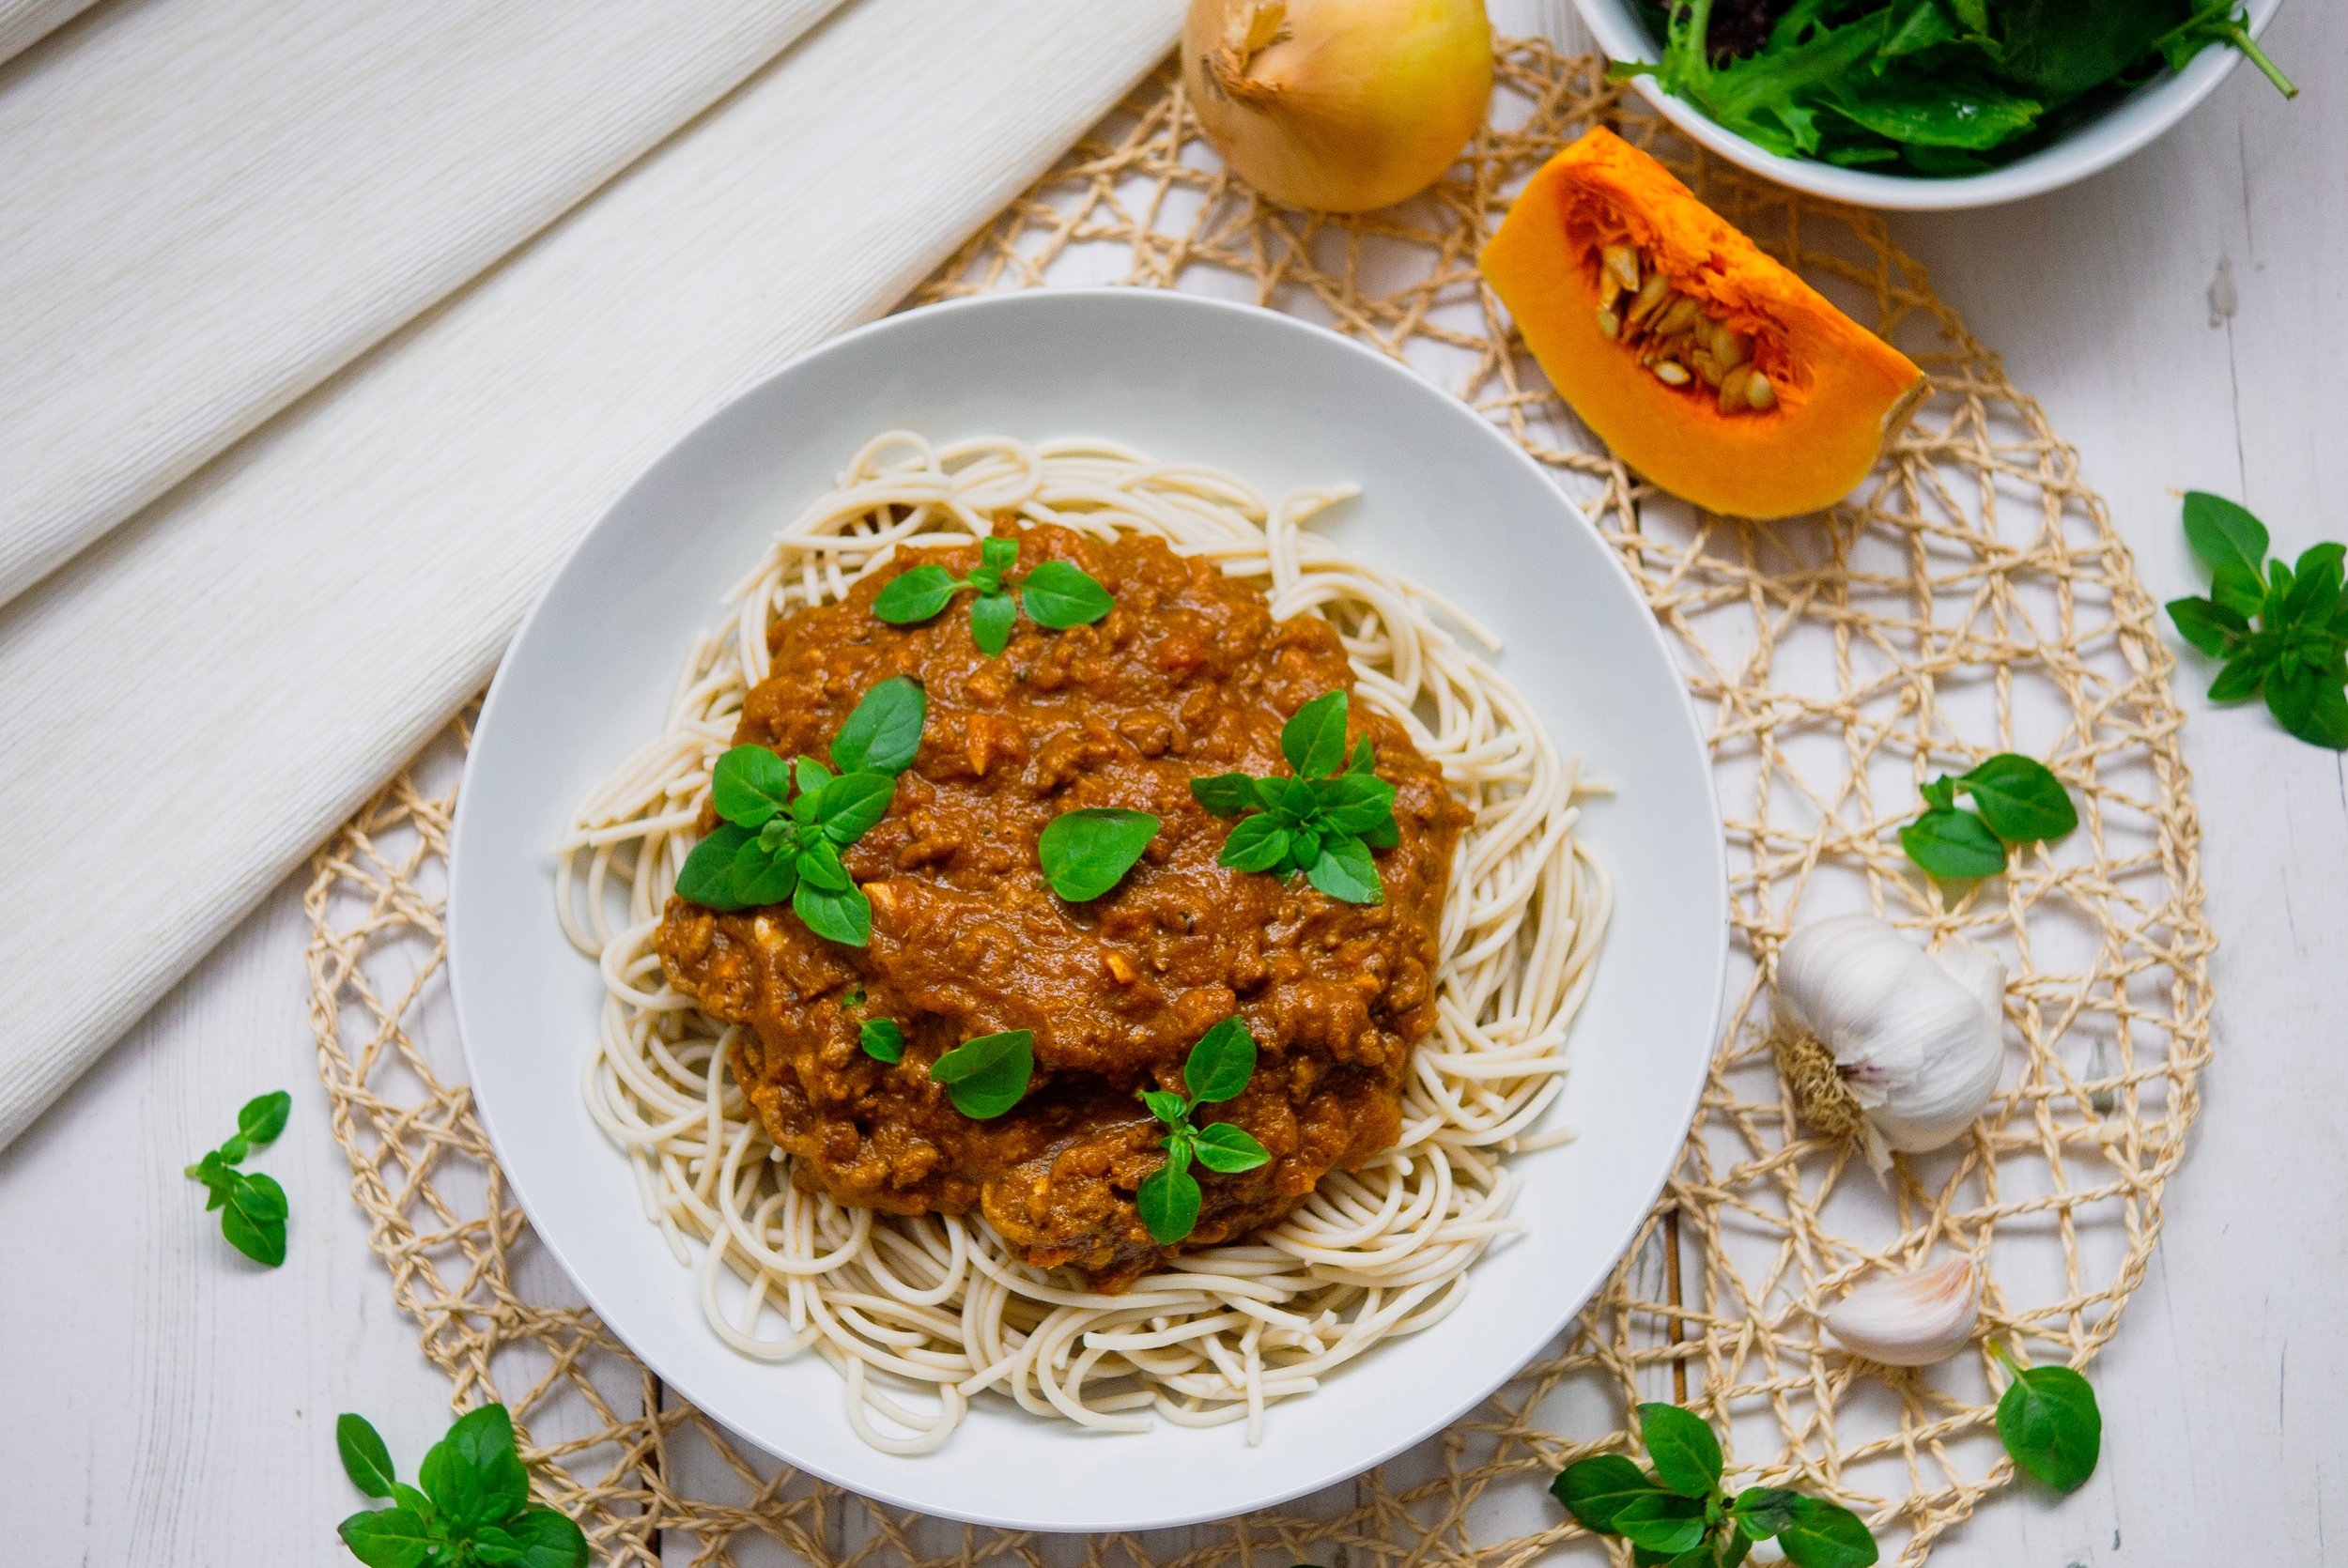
[2283, 630]
[1086, 852]
[2016, 801]
[1217, 1070]
[984, 1077]
[2048, 1421]
[251, 1206]
[1321, 823]
[1055, 594]
[882, 1039]
[474, 1506]
[1682, 1515]
[775, 845]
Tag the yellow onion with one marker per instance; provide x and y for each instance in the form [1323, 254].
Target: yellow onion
[1341, 106]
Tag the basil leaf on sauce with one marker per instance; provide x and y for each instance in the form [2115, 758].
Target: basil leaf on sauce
[915, 595]
[1224, 1147]
[885, 732]
[986, 1077]
[1344, 870]
[998, 555]
[1167, 1106]
[845, 918]
[1168, 1200]
[1059, 595]
[1086, 852]
[882, 1039]
[1220, 1063]
[1355, 802]
[708, 876]
[749, 785]
[1226, 794]
[1256, 844]
[850, 805]
[761, 875]
[992, 618]
[1314, 740]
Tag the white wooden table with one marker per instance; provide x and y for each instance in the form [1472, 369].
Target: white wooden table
[164, 1402]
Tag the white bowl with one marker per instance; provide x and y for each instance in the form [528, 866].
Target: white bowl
[1446, 498]
[2085, 149]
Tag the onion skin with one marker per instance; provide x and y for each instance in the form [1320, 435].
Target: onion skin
[1338, 105]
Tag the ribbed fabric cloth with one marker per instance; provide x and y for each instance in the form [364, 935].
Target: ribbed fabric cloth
[193, 702]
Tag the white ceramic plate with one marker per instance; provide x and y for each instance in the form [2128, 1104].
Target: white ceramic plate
[1446, 498]
[2094, 144]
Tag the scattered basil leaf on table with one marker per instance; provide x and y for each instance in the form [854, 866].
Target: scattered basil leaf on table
[2283, 630]
[2050, 1423]
[1320, 821]
[776, 844]
[473, 1505]
[1086, 852]
[883, 1039]
[1055, 594]
[1216, 1070]
[2017, 800]
[984, 1077]
[1682, 1517]
[251, 1206]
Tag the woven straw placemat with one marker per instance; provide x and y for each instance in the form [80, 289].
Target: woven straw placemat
[1972, 597]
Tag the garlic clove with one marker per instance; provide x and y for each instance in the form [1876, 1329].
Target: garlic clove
[1916, 1037]
[1911, 1320]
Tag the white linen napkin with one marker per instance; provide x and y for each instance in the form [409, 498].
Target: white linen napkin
[194, 703]
[214, 204]
[24, 22]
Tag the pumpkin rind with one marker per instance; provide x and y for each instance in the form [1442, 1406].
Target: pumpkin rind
[1842, 392]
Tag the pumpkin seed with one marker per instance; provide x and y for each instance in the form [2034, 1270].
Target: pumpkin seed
[1671, 374]
[1704, 365]
[1733, 388]
[1729, 347]
[1622, 263]
[1609, 323]
[1683, 314]
[1650, 298]
[1759, 393]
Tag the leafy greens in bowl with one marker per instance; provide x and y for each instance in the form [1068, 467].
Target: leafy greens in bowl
[1927, 103]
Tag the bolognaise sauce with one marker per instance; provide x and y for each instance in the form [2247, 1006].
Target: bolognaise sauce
[1188, 675]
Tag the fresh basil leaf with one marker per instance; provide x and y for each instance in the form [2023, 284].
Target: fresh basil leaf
[538, 1538]
[1941, 792]
[1661, 1522]
[2243, 674]
[884, 733]
[2239, 590]
[852, 803]
[1225, 794]
[1086, 852]
[1365, 757]
[1167, 1106]
[253, 1218]
[2021, 799]
[1386, 835]
[707, 875]
[749, 785]
[2208, 625]
[263, 1119]
[1761, 1511]
[388, 1538]
[1344, 870]
[810, 775]
[1680, 1445]
[1731, 1549]
[2326, 721]
[986, 1077]
[1168, 1202]
[1060, 594]
[1955, 846]
[1822, 1534]
[1293, 801]
[1225, 1147]
[1303, 846]
[365, 1458]
[915, 595]
[2315, 585]
[1355, 802]
[998, 555]
[992, 618]
[473, 1475]
[2224, 536]
[763, 874]
[1595, 1490]
[845, 916]
[882, 1039]
[820, 867]
[1313, 740]
[1256, 844]
[2048, 1422]
[1221, 1062]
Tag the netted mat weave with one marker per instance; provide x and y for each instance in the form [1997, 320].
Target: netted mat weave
[1972, 597]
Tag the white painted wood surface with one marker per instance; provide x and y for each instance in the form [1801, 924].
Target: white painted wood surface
[161, 1402]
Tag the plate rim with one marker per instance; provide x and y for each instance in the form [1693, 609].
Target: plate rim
[1416, 1429]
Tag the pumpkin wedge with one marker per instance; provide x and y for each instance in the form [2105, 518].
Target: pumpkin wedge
[1704, 364]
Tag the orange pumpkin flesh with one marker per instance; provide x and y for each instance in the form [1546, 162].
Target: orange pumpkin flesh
[1842, 392]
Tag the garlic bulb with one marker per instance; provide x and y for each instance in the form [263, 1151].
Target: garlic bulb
[1908, 1319]
[1882, 1038]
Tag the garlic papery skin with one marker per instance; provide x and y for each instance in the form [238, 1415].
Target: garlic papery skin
[1916, 1038]
[1911, 1320]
